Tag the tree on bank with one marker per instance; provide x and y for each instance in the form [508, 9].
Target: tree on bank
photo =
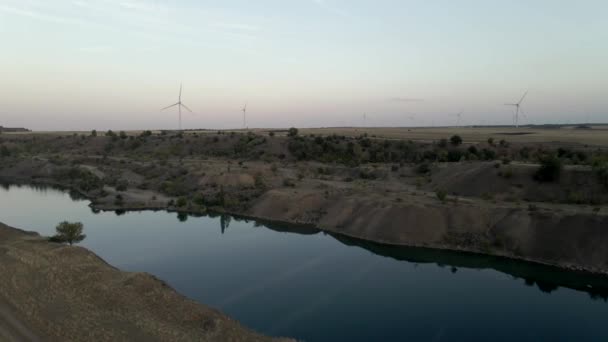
[69, 232]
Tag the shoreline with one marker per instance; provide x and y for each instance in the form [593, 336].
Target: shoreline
[566, 267]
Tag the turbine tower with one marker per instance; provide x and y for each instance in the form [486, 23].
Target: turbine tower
[179, 105]
[517, 109]
[244, 116]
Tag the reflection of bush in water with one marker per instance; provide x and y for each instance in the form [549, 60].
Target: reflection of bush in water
[182, 217]
[543, 286]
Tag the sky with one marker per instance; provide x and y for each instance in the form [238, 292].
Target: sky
[113, 64]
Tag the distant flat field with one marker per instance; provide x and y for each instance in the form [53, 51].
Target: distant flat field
[597, 136]
[567, 135]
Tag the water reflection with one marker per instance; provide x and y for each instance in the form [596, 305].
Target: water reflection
[546, 278]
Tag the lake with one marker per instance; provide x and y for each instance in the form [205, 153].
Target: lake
[300, 282]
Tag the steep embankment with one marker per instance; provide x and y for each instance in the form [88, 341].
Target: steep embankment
[53, 292]
[551, 235]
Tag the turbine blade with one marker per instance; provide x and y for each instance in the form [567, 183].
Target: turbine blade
[180, 91]
[523, 97]
[173, 105]
[181, 104]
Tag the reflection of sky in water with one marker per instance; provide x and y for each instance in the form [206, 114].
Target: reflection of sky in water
[315, 287]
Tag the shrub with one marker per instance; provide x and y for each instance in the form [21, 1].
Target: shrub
[123, 135]
[443, 143]
[491, 141]
[69, 232]
[292, 132]
[473, 150]
[456, 140]
[488, 154]
[93, 133]
[122, 185]
[507, 173]
[181, 202]
[454, 156]
[271, 134]
[199, 199]
[549, 170]
[600, 167]
[423, 168]
[441, 195]
[288, 182]
[4, 151]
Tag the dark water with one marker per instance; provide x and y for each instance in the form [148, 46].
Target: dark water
[317, 287]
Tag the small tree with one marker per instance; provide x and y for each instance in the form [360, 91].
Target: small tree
[94, 133]
[292, 132]
[456, 140]
[69, 232]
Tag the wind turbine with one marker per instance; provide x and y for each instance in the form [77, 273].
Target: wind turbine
[411, 116]
[459, 118]
[244, 116]
[517, 109]
[179, 105]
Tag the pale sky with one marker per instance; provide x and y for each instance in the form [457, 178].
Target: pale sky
[103, 64]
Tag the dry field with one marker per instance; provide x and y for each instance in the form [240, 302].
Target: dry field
[597, 136]
[565, 135]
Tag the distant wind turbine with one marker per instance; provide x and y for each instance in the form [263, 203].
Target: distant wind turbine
[517, 109]
[245, 116]
[179, 105]
[458, 118]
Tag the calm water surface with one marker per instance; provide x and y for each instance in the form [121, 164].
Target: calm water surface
[305, 284]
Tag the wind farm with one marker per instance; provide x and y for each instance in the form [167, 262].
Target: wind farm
[345, 171]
